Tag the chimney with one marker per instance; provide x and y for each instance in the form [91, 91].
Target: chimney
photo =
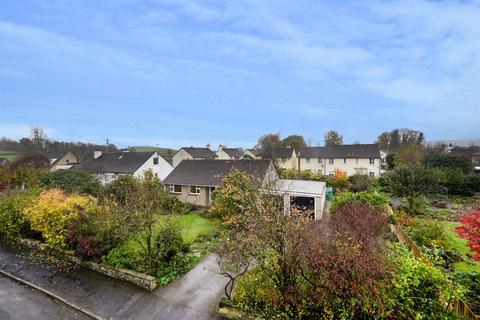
[97, 154]
[220, 147]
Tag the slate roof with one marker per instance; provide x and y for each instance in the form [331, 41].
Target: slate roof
[270, 153]
[312, 152]
[233, 152]
[200, 152]
[342, 151]
[210, 173]
[115, 162]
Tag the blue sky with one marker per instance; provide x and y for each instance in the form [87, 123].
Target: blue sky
[191, 72]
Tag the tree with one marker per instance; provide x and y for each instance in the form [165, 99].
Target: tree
[390, 159]
[269, 141]
[383, 141]
[448, 161]
[409, 154]
[295, 141]
[332, 137]
[411, 182]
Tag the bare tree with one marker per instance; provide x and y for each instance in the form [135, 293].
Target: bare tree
[332, 137]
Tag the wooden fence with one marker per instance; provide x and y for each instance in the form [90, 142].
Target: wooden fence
[458, 306]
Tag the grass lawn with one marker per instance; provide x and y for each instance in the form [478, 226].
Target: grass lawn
[460, 245]
[9, 155]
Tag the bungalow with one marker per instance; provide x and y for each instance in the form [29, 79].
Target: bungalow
[353, 159]
[192, 153]
[62, 161]
[284, 158]
[108, 166]
[224, 153]
[194, 181]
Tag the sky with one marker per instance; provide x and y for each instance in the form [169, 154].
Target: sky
[189, 72]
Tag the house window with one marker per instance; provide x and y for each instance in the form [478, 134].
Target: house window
[330, 173]
[372, 174]
[319, 160]
[344, 160]
[67, 161]
[372, 160]
[155, 160]
[307, 160]
[194, 190]
[175, 188]
[330, 161]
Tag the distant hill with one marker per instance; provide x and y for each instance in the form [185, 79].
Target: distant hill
[166, 153]
[9, 155]
[458, 143]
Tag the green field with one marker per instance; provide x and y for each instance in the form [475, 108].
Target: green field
[166, 153]
[9, 155]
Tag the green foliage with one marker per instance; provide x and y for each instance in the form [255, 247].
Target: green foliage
[361, 182]
[411, 182]
[471, 282]
[390, 159]
[123, 190]
[448, 161]
[13, 221]
[168, 243]
[374, 199]
[72, 181]
[232, 197]
[28, 178]
[175, 268]
[124, 258]
[418, 288]
[429, 233]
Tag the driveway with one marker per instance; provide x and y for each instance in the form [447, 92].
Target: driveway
[194, 296]
[21, 302]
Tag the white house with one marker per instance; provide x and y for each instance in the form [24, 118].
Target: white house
[108, 166]
[192, 153]
[224, 153]
[350, 158]
[251, 154]
[284, 158]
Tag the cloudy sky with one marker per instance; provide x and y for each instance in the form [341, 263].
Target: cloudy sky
[191, 72]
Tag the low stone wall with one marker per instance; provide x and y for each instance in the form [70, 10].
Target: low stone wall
[228, 311]
[139, 279]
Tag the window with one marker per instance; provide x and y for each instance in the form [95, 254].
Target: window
[155, 160]
[372, 174]
[67, 161]
[330, 161]
[307, 160]
[344, 160]
[319, 160]
[194, 190]
[330, 173]
[175, 188]
[372, 160]
[356, 161]
[156, 174]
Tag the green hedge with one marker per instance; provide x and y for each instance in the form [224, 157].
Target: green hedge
[375, 199]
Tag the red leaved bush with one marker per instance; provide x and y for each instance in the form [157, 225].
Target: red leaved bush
[471, 231]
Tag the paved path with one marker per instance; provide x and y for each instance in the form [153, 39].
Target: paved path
[18, 301]
[194, 296]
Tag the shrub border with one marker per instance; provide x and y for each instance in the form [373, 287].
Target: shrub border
[139, 279]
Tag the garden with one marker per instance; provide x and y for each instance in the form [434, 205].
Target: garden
[350, 265]
[129, 224]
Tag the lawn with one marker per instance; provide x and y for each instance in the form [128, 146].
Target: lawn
[9, 155]
[166, 153]
[460, 245]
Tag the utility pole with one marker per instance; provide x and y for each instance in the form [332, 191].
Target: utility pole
[107, 142]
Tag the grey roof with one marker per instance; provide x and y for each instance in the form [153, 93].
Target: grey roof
[205, 153]
[312, 152]
[115, 162]
[233, 152]
[210, 173]
[270, 153]
[352, 151]
[342, 151]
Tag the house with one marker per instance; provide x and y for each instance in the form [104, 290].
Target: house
[224, 153]
[192, 153]
[194, 181]
[251, 154]
[108, 166]
[62, 161]
[351, 159]
[284, 158]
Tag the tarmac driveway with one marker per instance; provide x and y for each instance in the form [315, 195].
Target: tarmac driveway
[194, 296]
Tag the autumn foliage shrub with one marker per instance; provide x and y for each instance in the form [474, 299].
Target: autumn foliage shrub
[471, 231]
[53, 211]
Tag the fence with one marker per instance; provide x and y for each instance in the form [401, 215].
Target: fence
[459, 306]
